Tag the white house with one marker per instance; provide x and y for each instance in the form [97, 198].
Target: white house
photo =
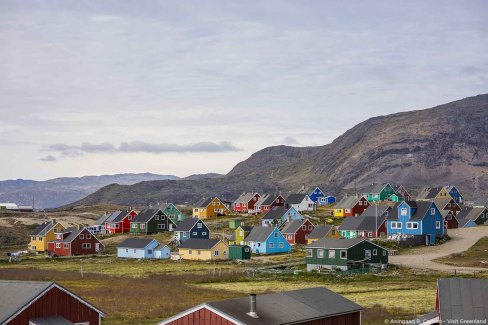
[300, 202]
[137, 248]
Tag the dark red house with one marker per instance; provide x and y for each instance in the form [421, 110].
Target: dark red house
[36, 302]
[246, 202]
[119, 221]
[352, 206]
[297, 231]
[313, 306]
[447, 204]
[74, 241]
[267, 202]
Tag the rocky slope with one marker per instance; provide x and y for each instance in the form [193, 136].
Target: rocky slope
[444, 144]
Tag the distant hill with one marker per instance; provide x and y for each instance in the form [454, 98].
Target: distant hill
[444, 144]
[60, 191]
[195, 177]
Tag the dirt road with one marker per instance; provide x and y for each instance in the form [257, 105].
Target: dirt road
[461, 240]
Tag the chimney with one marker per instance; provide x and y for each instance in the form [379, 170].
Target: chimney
[289, 217]
[79, 227]
[53, 221]
[253, 312]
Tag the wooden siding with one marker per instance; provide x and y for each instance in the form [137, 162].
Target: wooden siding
[56, 302]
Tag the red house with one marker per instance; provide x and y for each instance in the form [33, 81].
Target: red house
[286, 307]
[119, 221]
[246, 202]
[447, 204]
[74, 241]
[352, 206]
[297, 231]
[267, 202]
[450, 221]
[35, 302]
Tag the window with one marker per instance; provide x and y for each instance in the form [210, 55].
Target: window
[403, 211]
[370, 234]
[199, 252]
[271, 245]
[134, 226]
[216, 253]
[360, 202]
[88, 236]
[190, 252]
[304, 227]
[66, 245]
[156, 218]
[437, 225]
[432, 211]
[281, 245]
[396, 225]
[241, 233]
[160, 226]
[195, 210]
[320, 253]
[194, 233]
[412, 225]
[143, 226]
[117, 226]
[375, 252]
[310, 227]
[199, 225]
[39, 238]
[289, 237]
[384, 253]
[126, 250]
[86, 245]
[332, 253]
[163, 217]
[204, 233]
[213, 203]
[309, 253]
[225, 252]
[348, 210]
[275, 235]
[58, 245]
[343, 254]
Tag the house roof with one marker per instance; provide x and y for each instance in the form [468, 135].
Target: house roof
[15, 296]
[351, 223]
[482, 202]
[187, 224]
[422, 207]
[320, 231]
[470, 213]
[269, 199]
[374, 188]
[145, 215]
[197, 243]
[347, 203]
[102, 219]
[429, 193]
[276, 213]
[118, 216]
[287, 307]
[259, 233]
[245, 197]
[335, 243]
[44, 228]
[463, 222]
[370, 223]
[204, 202]
[463, 299]
[442, 202]
[374, 210]
[296, 198]
[74, 232]
[246, 228]
[293, 226]
[262, 198]
[136, 242]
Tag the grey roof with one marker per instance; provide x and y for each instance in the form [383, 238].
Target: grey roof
[463, 299]
[102, 219]
[293, 226]
[422, 207]
[262, 198]
[44, 228]
[118, 216]
[245, 197]
[351, 223]
[482, 202]
[270, 199]
[295, 198]
[442, 202]
[135, 242]
[246, 228]
[429, 193]
[374, 188]
[371, 223]
[320, 231]
[470, 213]
[259, 233]
[16, 295]
[203, 202]
[145, 215]
[187, 224]
[276, 213]
[347, 202]
[393, 214]
[335, 243]
[197, 243]
[374, 210]
[74, 232]
[288, 307]
[463, 222]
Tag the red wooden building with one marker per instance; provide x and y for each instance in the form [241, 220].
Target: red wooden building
[313, 306]
[352, 206]
[246, 202]
[33, 302]
[74, 241]
[119, 221]
[297, 231]
[267, 202]
[447, 204]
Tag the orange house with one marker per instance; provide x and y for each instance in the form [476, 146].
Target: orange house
[210, 208]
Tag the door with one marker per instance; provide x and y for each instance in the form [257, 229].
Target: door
[170, 227]
[97, 247]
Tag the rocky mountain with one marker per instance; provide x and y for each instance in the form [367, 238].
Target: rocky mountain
[440, 145]
[60, 191]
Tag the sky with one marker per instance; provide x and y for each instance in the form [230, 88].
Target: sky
[186, 87]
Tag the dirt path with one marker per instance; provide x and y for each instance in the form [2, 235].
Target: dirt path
[461, 240]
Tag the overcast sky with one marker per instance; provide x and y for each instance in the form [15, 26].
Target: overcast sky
[183, 87]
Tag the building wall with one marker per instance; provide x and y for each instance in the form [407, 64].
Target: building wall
[40, 242]
[137, 252]
[215, 208]
[205, 254]
[163, 253]
[306, 205]
[58, 303]
[273, 245]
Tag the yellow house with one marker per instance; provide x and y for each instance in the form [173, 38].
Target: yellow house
[239, 235]
[210, 208]
[203, 249]
[323, 231]
[44, 234]
[338, 213]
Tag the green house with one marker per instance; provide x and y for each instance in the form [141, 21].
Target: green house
[345, 254]
[170, 210]
[234, 223]
[378, 192]
[239, 252]
[394, 198]
[151, 221]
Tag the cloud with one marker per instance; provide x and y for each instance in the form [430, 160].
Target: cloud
[48, 158]
[140, 147]
[290, 141]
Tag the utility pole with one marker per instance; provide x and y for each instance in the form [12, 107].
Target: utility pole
[81, 268]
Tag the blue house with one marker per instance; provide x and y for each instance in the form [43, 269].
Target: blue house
[277, 216]
[191, 228]
[453, 191]
[137, 248]
[417, 218]
[315, 194]
[326, 200]
[267, 240]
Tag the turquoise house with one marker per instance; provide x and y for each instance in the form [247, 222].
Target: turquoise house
[137, 248]
[267, 240]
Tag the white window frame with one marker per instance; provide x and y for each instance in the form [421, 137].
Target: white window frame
[345, 254]
[82, 236]
[403, 211]
[199, 225]
[332, 253]
[320, 253]
[432, 211]
[309, 253]
[271, 245]
[58, 245]
[143, 226]
[437, 225]
[88, 236]
[204, 233]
